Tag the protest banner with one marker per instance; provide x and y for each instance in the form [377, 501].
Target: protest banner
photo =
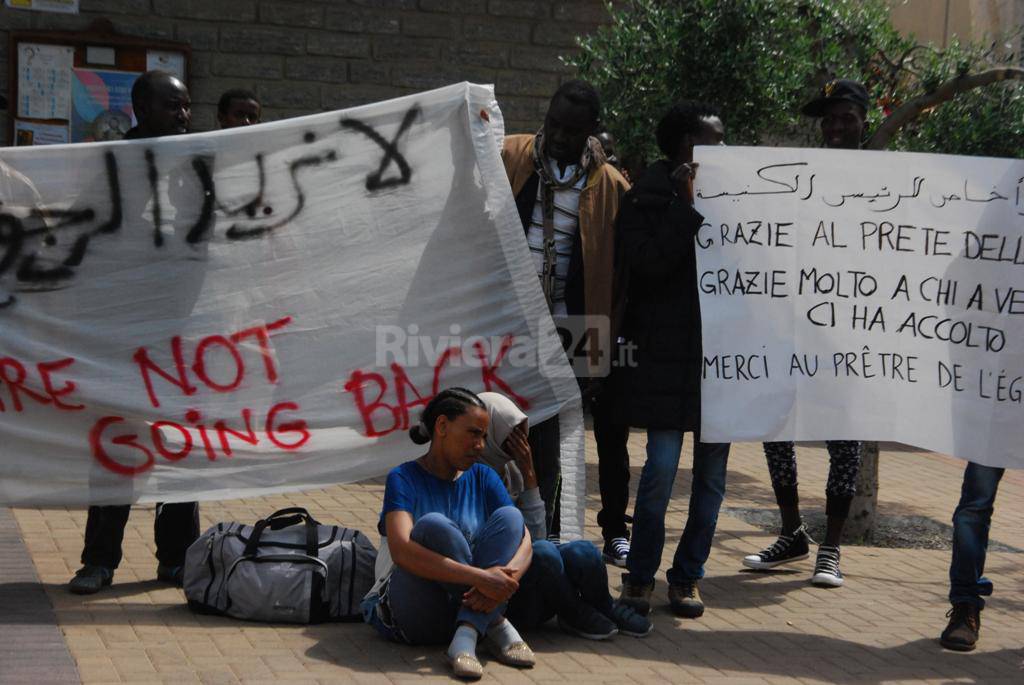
[264, 309]
[863, 295]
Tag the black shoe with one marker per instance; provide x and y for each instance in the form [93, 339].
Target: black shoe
[172, 575]
[787, 548]
[961, 633]
[586, 621]
[629, 621]
[616, 551]
[826, 567]
[685, 599]
[91, 579]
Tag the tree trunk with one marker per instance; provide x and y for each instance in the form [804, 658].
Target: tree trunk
[860, 527]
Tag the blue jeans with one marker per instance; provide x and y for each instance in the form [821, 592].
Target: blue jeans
[971, 522]
[560, 576]
[426, 611]
[652, 497]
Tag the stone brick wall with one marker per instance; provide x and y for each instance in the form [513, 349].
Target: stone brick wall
[314, 55]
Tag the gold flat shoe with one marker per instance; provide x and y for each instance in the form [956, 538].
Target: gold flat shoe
[465, 666]
[517, 654]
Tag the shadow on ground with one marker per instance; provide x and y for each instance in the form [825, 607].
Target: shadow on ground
[899, 525]
[766, 653]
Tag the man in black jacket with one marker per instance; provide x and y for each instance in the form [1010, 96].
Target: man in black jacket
[661, 391]
[162, 108]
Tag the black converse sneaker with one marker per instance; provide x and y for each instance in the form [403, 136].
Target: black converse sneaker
[826, 568]
[616, 551]
[787, 548]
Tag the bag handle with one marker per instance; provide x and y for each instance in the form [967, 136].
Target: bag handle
[284, 518]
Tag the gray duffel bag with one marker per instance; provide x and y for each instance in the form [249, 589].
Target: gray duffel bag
[287, 568]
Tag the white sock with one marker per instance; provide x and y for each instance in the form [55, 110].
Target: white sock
[464, 641]
[504, 634]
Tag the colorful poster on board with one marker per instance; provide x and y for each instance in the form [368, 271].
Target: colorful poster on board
[31, 133]
[61, 6]
[101, 104]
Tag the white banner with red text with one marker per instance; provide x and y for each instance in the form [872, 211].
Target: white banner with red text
[264, 309]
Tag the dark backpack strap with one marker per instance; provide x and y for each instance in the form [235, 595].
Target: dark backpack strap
[527, 199]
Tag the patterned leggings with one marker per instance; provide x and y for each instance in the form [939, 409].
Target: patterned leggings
[844, 464]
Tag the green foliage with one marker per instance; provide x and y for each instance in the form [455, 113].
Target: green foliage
[760, 60]
[985, 121]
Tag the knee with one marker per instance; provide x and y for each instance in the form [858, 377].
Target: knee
[439, 533]
[581, 556]
[510, 518]
[546, 558]
[980, 486]
[656, 480]
[973, 509]
[431, 523]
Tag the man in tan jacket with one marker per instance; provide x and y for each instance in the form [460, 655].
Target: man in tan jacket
[568, 197]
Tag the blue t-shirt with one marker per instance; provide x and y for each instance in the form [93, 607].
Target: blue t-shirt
[469, 500]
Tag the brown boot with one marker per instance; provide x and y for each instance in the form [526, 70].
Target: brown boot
[637, 597]
[685, 599]
[961, 633]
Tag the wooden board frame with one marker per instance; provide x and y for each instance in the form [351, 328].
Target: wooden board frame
[130, 55]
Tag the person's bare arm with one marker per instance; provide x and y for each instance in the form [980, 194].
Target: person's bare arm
[520, 561]
[482, 600]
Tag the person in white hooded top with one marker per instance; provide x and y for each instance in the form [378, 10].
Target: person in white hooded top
[568, 580]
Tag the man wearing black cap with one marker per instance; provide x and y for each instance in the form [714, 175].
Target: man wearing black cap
[842, 108]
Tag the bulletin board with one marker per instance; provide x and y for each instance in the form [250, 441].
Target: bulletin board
[75, 87]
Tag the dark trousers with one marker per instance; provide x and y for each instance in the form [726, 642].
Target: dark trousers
[844, 465]
[971, 523]
[177, 527]
[611, 435]
[559, 579]
[545, 444]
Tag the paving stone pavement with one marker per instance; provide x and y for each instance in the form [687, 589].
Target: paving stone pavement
[882, 626]
[32, 648]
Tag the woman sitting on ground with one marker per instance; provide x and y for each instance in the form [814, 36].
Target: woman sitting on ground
[568, 580]
[455, 547]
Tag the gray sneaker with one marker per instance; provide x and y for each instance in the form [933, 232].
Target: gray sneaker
[587, 622]
[629, 621]
[91, 579]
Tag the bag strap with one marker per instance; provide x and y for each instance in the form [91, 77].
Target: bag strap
[284, 518]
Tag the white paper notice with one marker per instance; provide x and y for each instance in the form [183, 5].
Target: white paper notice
[163, 60]
[44, 81]
[29, 133]
[857, 295]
